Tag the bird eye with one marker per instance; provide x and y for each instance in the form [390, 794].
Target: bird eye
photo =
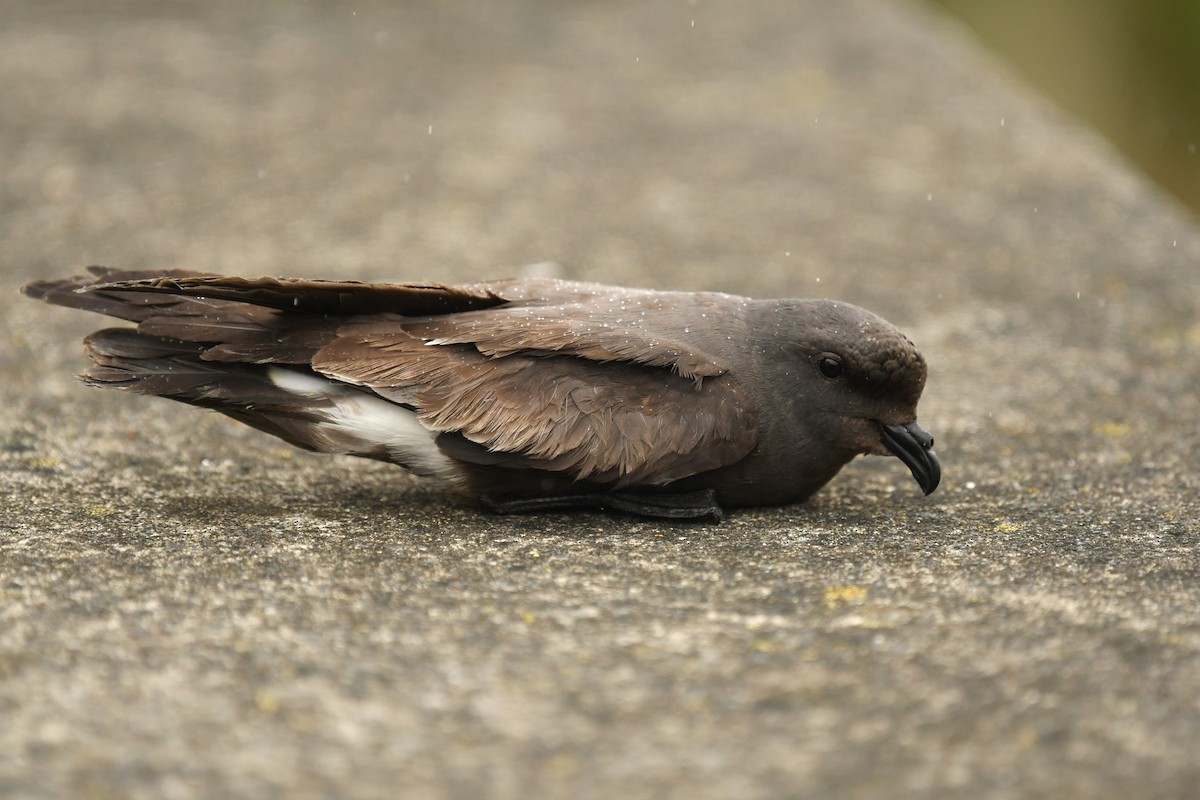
[831, 367]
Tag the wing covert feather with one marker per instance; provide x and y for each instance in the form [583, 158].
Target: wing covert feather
[619, 422]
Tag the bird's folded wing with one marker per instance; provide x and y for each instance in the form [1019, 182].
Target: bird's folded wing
[606, 419]
[553, 375]
[568, 377]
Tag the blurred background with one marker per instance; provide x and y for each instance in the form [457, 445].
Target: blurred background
[1131, 68]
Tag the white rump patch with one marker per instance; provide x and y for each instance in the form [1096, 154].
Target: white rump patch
[361, 424]
[305, 383]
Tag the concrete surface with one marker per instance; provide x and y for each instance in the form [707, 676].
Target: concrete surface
[189, 609]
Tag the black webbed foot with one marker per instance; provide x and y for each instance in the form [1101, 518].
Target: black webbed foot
[697, 506]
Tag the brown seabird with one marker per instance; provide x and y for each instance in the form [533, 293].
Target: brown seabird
[527, 394]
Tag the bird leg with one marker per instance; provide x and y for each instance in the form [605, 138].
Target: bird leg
[699, 506]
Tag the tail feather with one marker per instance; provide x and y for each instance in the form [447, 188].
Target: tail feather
[129, 343]
[124, 359]
[298, 406]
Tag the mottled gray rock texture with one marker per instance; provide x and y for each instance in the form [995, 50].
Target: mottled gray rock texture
[190, 609]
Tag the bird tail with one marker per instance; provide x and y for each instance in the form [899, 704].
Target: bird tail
[123, 358]
[244, 347]
[297, 405]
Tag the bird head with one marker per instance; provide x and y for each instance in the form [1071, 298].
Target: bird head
[860, 379]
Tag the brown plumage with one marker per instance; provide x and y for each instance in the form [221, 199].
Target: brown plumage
[527, 394]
